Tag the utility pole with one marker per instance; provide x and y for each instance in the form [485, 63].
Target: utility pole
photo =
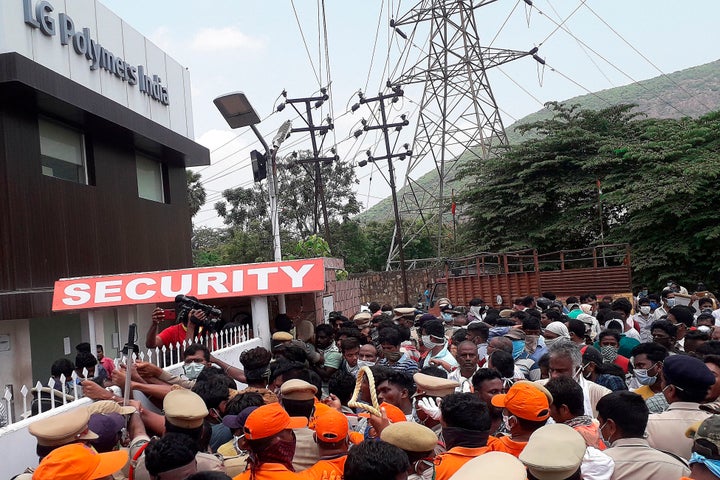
[397, 92]
[316, 102]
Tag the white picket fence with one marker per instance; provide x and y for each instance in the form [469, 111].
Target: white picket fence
[166, 357]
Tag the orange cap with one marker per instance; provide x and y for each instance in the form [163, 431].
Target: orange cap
[525, 401]
[79, 462]
[331, 426]
[393, 413]
[270, 420]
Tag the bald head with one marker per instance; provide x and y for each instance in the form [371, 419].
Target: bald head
[501, 343]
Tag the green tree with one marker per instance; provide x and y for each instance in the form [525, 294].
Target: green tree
[206, 245]
[195, 192]
[543, 193]
[299, 212]
[666, 184]
[659, 181]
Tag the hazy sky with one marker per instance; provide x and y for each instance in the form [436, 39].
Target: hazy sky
[256, 47]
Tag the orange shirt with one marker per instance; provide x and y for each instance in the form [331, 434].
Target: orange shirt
[507, 445]
[447, 463]
[333, 465]
[269, 471]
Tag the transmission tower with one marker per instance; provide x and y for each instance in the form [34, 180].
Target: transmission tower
[458, 116]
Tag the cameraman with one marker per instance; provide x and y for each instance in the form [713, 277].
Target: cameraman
[185, 329]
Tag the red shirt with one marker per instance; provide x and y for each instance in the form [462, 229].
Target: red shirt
[172, 335]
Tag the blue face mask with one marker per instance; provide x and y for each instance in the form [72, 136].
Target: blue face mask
[654, 305]
[447, 317]
[518, 347]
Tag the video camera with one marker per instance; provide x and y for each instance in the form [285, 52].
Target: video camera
[188, 304]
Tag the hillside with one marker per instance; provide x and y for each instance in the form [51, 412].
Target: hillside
[690, 92]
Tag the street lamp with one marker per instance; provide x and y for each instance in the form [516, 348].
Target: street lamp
[237, 112]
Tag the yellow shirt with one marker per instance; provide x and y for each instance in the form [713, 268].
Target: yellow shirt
[644, 391]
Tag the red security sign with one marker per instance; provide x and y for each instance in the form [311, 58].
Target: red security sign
[272, 278]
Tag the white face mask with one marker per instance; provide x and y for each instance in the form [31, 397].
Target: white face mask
[476, 311]
[577, 375]
[365, 363]
[428, 343]
[645, 309]
[192, 370]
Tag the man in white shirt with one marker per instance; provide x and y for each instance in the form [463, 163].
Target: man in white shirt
[468, 359]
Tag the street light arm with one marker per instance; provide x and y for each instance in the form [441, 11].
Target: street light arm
[261, 139]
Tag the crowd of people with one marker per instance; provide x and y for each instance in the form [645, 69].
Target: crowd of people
[585, 388]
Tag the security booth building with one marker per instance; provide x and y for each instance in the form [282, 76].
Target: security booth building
[95, 134]
[233, 287]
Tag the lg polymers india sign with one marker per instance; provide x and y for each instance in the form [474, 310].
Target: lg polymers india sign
[273, 278]
[40, 16]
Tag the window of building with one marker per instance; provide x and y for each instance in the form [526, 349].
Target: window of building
[149, 178]
[62, 151]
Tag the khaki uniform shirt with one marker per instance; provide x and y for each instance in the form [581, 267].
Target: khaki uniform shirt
[306, 450]
[666, 430]
[205, 461]
[635, 459]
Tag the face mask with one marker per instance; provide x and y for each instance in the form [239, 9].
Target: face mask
[645, 309]
[602, 437]
[281, 452]
[392, 356]
[192, 370]
[653, 305]
[236, 439]
[506, 422]
[641, 375]
[365, 363]
[609, 353]
[476, 311]
[447, 317]
[531, 342]
[671, 302]
[707, 311]
[588, 374]
[424, 468]
[550, 341]
[429, 344]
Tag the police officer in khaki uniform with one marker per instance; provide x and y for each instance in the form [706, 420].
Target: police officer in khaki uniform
[685, 383]
[185, 412]
[427, 406]
[59, 430]
[623, 417]
[554, 452]
[298, 399]
[418, 442]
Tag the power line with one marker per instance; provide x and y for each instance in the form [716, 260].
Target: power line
[307, 49]
[592, 60]
[504, 23]
[377, 34]
[644, 57]
[559, 25]
[621, 71]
